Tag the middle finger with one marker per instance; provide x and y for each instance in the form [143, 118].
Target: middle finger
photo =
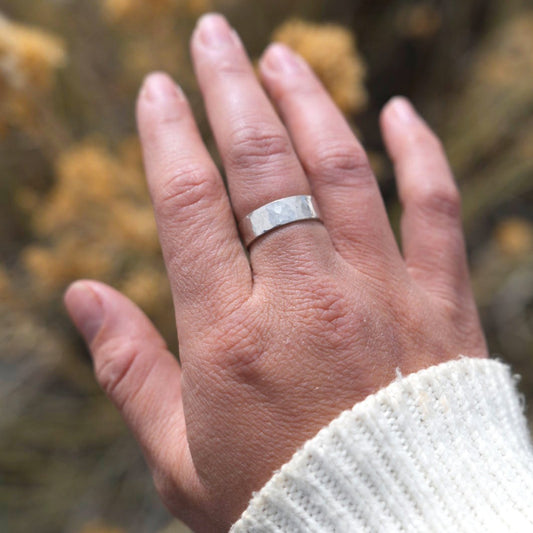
[256, 150]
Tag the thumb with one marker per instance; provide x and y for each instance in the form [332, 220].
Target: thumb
[133, 367]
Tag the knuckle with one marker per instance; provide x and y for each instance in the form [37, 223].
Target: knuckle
[330, 304]
[425, 138]
[186, 189]
[290, 88]
[114, 365]
[156, 125]
[233, 66]
[450, 303]
[333, 161]
[440, 201]
[238, 343]
[253, 146]
[329, 314]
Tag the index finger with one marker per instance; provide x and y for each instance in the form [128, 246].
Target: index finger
[205, 260]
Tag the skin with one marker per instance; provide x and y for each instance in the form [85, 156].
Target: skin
[320, 315]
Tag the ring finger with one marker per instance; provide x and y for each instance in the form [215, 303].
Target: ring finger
[335, 161]
[256, 150]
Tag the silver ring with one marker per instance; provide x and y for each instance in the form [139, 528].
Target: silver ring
[275, 214]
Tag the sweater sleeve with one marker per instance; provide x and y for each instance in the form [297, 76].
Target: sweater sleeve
[444, 449]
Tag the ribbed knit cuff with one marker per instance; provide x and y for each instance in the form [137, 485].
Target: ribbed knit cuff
[445, 449]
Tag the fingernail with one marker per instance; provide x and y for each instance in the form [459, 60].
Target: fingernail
[85, 309]
[281, 58]
[215, 31]
[403, 109]
[160, 86]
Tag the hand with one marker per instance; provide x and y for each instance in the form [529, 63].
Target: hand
[274, 346]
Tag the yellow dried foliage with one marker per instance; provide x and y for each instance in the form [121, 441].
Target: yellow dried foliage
[511, 56]
[66, 260]
[147, 287]
[135, 10]
[497, 99]
[29, 58]
[172, 56]
[140, 11]
[97, 222]
[418, 21]
[514, 236]
[331, 51]
[197, 7]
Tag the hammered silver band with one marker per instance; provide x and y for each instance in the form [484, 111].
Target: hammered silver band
[275, 214]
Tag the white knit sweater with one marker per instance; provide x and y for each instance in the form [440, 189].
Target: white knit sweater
[446, 450]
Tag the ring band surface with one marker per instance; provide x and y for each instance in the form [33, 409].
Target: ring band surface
[275, 214]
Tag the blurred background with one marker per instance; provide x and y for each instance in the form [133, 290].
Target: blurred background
[73, 201]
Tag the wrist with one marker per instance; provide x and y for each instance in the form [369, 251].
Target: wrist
[421, 453]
